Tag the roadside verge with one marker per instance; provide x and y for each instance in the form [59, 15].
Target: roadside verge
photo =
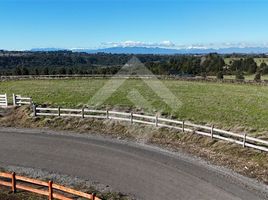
[248, 162]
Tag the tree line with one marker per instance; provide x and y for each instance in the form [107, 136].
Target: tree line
[67, 62]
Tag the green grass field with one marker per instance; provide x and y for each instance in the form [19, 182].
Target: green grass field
[247, 77]
[257, 60]
[225, 105]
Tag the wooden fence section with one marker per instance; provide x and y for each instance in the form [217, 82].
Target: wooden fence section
[241, 139]
[52, 190]
[3, 100]
[18, 100]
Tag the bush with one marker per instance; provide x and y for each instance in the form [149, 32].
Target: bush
[220, 75]
[264, 68]
[239, 75]
[203, 74]
[257, 77]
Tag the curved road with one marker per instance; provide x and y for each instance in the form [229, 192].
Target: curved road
[146, 172]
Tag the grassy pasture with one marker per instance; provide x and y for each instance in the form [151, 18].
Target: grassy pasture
[247, 77]
[257, 60]
[225, 105]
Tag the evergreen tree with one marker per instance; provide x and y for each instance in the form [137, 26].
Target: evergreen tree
[250, 66]
[264, 68]
[70, 71]
[62, 71]
[25, 71]
[36, 71]
[46, 71]
[17, 71]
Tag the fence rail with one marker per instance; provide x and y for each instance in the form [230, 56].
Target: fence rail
[209, 131]
[52, 191]
[3, 100]
[18, 100]
[162, 77]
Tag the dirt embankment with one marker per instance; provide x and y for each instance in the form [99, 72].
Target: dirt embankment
[248, 162]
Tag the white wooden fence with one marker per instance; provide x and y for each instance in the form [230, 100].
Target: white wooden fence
[186, 127]
[3, 100]
[18, 100]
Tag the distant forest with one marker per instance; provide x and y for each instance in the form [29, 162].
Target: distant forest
[67, 62]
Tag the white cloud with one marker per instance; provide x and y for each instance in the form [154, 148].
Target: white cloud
[222, 45]
[172, 45]
[166, 44]
[169, 44]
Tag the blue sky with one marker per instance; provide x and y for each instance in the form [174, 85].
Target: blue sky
[27, 24]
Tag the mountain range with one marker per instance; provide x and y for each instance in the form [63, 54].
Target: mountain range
[165, 51]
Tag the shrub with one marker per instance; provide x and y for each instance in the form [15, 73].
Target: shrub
[239, 75]
[257, 77]
[264, 68]
[203, 74]
[220, 75]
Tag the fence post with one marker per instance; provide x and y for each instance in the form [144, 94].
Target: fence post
[14, 100]
[18, 98]
[50, 190]
[244, 139]
[156, 120]
[13, 182]
[6, 100]
[34, 110]
[107, 114]
[212, 127]
[83, 112]
[131, 117]
[183, 126]
[93, 196]
[59, 111]
[31, 100]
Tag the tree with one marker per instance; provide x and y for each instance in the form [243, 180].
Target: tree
[203, 74]
[70, 71]
[236, 65]
[53, 72]
[250, 65]
[17, 71]
[239, 75]
[36, 71]
[25, 71]
[213, 63]
[257, 77]
[46, 71]
[220, 75]
[62, 70]
[264, 68]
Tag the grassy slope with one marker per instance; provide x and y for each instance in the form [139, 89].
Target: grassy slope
[225, 105]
